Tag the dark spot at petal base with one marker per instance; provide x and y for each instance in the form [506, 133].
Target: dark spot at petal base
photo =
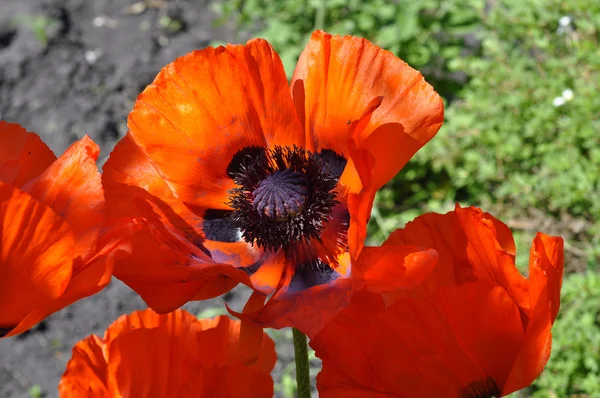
[335, 163]
[219, 226]
[481, 389]
[311, 273]
[251, 269]
[238, 159]
[5, 330]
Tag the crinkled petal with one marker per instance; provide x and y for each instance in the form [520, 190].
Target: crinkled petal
[546, 266]
[441, 345]
[167, 271]
[207, 106]
[181, 362]
[336, 80]
[86, 373]
[71, 186]
[23, 155]
[135, 189]
[36, 257]
[308, 311]
[389, 268]
[487, 256]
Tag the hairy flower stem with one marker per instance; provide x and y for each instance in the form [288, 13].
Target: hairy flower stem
[302, 368]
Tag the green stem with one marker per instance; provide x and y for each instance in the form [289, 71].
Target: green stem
[320, 16]
[302, 368]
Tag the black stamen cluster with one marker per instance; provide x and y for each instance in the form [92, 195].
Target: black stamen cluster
[274, 233]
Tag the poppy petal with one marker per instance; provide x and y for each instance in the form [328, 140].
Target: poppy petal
[435, 346]
[23, 155]
[71, 186]
[441, 232]
[250, 334]
[204, 108]
[167, 271]
[546, 266]
[267, 275]
[86, 279]
[240, 254]
[135, 189]
[189, 358]
[36, 253]
[469, 247]
[308, 311]
[222, 349]
[165, 370]
[86, 371]
[488, 258]
[388, 268]
[341, 76]
[219, 350]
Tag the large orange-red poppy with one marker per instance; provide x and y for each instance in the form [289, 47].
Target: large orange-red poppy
[225, 163]
[52, 249]
[146, 355]
[475, 328]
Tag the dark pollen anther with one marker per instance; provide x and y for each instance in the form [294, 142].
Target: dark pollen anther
[281, 195]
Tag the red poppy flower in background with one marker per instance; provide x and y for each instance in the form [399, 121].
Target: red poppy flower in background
[222, 166]
[52, 252]
[475, 328]
[146, 355]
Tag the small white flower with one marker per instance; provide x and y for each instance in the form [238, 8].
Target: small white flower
[565, 21]
[91, 56]
[558, 101]
[567, 94]
[98, 22]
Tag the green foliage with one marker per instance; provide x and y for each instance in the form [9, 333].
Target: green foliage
[574, 366]
[170, 24]
[212, 312]
[40, 25]
[504, 135]
[35, 392]
[428, 33]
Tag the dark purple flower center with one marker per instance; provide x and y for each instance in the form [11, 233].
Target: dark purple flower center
[285, 195]
[281, 195]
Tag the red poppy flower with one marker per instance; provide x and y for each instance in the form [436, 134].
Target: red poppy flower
[229, 168]
[146, 355]
[475, 328]
[51, 216]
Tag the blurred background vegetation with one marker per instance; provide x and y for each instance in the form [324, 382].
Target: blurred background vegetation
[521, 82]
